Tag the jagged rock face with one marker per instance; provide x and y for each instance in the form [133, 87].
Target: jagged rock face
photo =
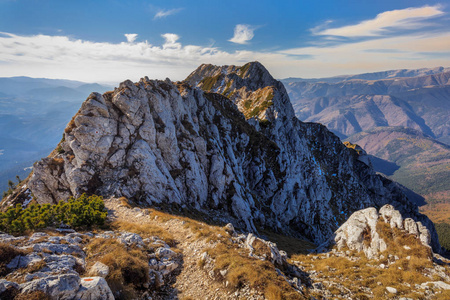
[160, 142]
[250, 87]
[360, 231]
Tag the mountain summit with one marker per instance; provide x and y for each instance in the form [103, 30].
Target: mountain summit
[224, 142]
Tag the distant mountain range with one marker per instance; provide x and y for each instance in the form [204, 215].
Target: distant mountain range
[372, 76]
[422, 162]
[33, 111]
[399, 116]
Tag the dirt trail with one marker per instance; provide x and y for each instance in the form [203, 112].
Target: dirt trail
[192, 282]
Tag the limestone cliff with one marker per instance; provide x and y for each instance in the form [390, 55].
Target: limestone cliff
[226, 142]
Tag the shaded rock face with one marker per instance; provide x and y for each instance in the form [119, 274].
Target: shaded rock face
[360, 232]
[235, 150]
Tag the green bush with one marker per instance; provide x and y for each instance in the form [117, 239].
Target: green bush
[77, 213]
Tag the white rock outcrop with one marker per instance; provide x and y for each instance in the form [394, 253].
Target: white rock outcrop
[360, 233]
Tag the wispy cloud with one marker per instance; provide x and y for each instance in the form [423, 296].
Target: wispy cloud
[409, 18]
[131, 37]
[243, 33]
[166, 12]
[319, 28]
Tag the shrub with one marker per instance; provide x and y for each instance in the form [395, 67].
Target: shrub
[11, 187]
[145, 230]
[81, 212]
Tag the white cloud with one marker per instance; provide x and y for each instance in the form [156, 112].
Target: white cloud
[165, 13]
[409, 18]
[64, 57]
[171, 38]
[131, 37]
[171, 41]
[242, 34]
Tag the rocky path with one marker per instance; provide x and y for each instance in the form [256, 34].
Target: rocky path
[193, 282]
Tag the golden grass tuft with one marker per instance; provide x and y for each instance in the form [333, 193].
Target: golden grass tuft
[124, 202]
[35, 267]
[397, 239]
[128, 268]
[71, 125]
[261, 249]
[7, 253]
[145, 230]
[273, 292]
[36, 295]
[242, 270]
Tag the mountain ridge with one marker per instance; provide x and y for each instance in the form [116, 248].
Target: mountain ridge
[424, 98]
[396, 73]
[164, 143]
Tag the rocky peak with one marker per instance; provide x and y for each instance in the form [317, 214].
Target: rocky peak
[256, 93]
[198, 149]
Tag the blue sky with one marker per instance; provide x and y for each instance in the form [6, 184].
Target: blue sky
[114, 40]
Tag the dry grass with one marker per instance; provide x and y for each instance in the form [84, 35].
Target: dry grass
[36, 295]
[201, 229]
[7, 253]
[128, 268]
[124, 202]
[273, 292]
[365, 273]
[412, 266]
[35, 267]
[261, 249]
[145, 231]
[397, 239]
[207, 232]
[242, 270]
[71, 125]
[30, 269]
[444, 295]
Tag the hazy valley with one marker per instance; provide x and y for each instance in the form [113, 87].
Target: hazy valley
[33, 114]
